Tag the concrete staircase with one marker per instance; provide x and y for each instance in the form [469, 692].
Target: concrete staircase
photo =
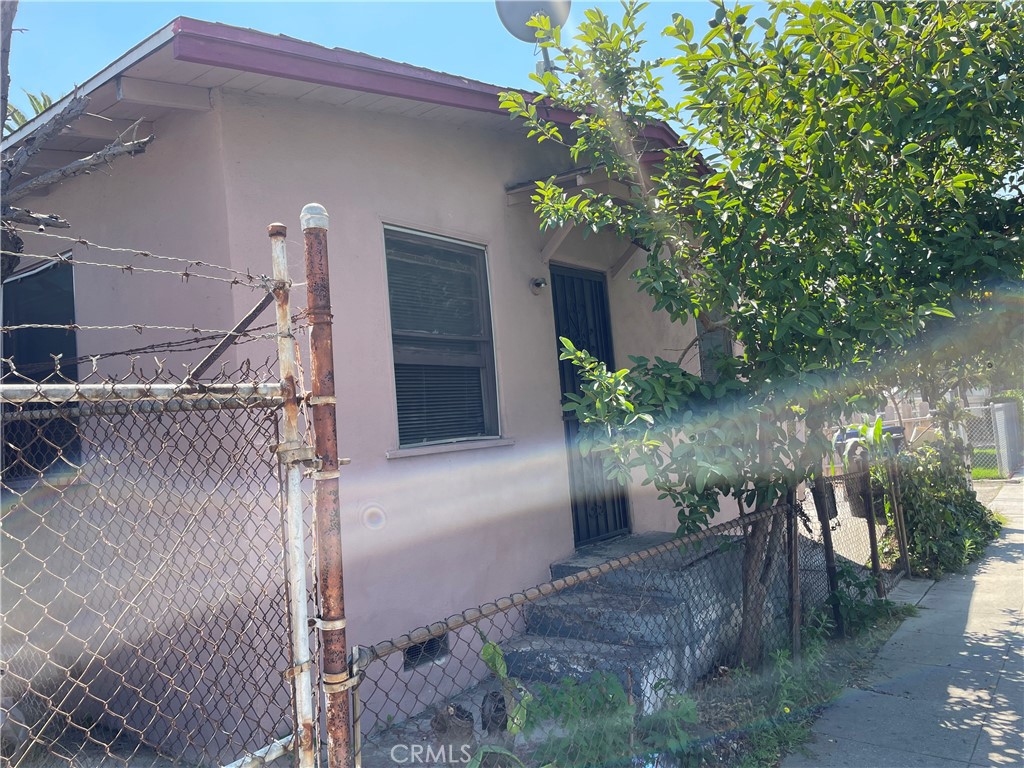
[669, 619]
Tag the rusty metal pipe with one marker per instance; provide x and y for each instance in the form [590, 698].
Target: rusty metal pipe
[323, 415]
[295, 561]
[240, 327]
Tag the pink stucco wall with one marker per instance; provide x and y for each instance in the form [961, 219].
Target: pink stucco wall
[425, 535]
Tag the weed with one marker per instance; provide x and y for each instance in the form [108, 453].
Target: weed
[858, 602]
[773, 710]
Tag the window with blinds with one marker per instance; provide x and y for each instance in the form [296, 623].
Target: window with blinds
[441, 335]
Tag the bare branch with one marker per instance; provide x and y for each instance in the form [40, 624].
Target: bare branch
[78, 167]
[686, 350]
[25, 216]
[13, 165]
[8, 11]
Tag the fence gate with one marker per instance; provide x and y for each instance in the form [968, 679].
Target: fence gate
[994, 434]
[154, 550]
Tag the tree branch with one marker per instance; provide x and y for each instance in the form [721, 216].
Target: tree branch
[25, 216]
[116, 149]
[13, 165]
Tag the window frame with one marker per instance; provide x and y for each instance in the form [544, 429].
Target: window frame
[404, 349]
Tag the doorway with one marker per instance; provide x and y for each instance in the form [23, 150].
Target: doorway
[600, 506]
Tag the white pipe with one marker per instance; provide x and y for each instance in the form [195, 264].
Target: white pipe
[294, 527]
[117, 408]
[261, 757]
[58, 394]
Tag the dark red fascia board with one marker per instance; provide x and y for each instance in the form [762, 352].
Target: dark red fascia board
[220, 45]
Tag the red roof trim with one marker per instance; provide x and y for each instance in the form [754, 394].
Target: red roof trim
[221, 45]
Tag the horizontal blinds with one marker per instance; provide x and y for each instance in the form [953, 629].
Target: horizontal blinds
[433, 290]
[438, 402]
[440, 324]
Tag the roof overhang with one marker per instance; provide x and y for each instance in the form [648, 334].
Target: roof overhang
[212, 47]
[155, 41]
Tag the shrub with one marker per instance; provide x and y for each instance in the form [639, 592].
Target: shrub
[947, 527]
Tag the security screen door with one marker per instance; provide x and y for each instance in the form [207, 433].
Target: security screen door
[600, 507]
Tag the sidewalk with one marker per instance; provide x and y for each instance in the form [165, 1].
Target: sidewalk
[947, 690]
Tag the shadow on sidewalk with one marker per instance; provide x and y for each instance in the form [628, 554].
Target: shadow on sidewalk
[947, 689]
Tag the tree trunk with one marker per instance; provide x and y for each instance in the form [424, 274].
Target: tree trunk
[759, 552]
[8, 10]
[759, 555]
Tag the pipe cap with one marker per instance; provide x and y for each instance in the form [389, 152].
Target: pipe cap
[314, 216]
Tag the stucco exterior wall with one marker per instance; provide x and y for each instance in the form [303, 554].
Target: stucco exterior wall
[425, 535]
[168, 201]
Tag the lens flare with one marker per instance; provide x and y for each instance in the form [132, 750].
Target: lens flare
[373, 517]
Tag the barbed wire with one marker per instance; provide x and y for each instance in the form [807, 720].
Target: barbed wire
[138, 327]
[254, 282]
[196, 344]
[138, 252]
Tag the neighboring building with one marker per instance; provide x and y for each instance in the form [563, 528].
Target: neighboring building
[464, 484]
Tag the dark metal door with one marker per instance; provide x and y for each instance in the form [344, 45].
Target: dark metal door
[600, 508]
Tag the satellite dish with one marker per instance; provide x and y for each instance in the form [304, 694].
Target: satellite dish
[515, 13]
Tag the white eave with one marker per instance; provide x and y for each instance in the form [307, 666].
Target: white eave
[136, 54]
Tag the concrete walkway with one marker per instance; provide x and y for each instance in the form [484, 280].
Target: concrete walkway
[947, 690]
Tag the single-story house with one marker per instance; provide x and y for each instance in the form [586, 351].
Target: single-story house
[464, 481]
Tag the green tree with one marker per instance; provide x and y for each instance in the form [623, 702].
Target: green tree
[982, 346]
[15, 118]
[847, 170]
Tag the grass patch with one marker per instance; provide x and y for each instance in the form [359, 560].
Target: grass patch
[985, 473]
[761, 717]
[768, 746]
[986, 457]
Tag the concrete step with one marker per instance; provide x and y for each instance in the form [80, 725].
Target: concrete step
[709, 566]
[618, 617]
[537, 659]
[595, 554]
[696, 593]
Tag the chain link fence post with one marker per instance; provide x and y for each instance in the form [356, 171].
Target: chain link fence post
[819, 492]
[323, 407]
[864, 473]
[896, 495]
[793, 542]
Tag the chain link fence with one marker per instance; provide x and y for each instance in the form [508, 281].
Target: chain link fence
[163, 600]
[860, 507]
[143, 613]
[591, 668]
[979, 433]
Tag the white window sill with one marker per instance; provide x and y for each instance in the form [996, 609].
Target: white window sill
[463, 445]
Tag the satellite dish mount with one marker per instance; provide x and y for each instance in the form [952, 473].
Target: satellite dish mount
[515, 14]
